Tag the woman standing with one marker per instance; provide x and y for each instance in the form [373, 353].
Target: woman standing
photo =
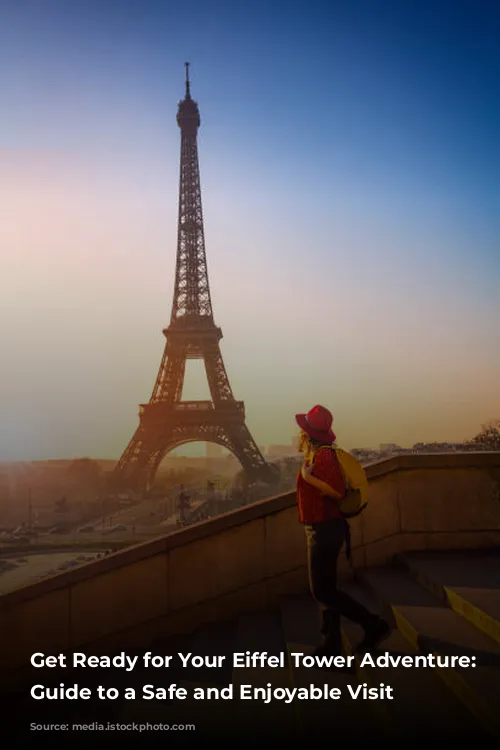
[320, 485]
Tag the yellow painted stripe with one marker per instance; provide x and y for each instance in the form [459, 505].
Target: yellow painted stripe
[463, 607]
[455, 682]
[381, 713]
[482, 621]
[406, 628]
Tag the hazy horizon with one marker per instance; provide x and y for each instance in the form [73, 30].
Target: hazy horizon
[350, 168]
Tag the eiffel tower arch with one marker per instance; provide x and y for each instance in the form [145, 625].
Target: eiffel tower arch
[166, 421]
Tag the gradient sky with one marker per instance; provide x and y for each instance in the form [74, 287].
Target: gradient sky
[350, 165]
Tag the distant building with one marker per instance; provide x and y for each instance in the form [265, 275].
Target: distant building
[440, 447]
[365, 455]
[389, 448]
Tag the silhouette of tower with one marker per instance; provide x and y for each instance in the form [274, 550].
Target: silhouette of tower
[167, 422]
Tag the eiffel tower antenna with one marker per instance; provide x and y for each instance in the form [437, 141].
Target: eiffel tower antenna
[166, 421]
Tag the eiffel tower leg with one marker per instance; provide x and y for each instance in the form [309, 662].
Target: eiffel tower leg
[134, 468]
[243, 447]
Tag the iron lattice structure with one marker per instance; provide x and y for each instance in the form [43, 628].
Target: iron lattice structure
[167, 422]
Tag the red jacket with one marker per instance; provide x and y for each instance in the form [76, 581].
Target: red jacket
[314, 507]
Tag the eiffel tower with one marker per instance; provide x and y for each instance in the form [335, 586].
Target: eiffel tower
[167, 422]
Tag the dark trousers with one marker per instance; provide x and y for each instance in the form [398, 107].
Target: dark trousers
[324, 542]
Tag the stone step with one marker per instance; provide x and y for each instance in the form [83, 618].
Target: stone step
[468, 581]
[262, 632]
[417, 691]
[170, 719]
[342, 717]
[215, 639]
[212, 640]
[433, 628]
[93, 709]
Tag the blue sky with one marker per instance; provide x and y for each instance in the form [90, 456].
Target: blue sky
[350, 165]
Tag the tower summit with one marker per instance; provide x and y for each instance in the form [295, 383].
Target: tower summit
[166, 421]
[192, 293]
[188, 116]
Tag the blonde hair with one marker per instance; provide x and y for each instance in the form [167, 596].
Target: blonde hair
[304, 444]
[309, 446]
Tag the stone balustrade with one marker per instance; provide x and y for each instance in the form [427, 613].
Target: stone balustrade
[245, 560]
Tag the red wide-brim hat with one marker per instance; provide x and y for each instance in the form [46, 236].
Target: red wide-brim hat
[322, 436]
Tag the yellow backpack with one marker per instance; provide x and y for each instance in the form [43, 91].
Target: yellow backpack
[353, 503]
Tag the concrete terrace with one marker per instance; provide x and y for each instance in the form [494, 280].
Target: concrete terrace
[425, 554]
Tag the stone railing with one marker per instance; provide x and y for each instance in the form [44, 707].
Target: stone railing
[244, 560]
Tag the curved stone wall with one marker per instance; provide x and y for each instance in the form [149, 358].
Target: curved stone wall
[245, 560]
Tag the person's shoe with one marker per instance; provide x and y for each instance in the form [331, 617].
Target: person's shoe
[374, 635]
